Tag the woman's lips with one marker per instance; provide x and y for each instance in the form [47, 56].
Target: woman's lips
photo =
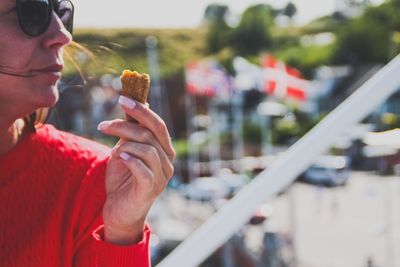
[53, 72]
[52, 68]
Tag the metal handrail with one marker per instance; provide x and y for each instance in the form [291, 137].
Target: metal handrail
[228, 220]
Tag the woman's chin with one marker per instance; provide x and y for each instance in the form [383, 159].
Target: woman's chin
[47, 97]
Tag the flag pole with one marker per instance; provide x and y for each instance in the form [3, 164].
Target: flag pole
[237, 111]
[190, 106]
[214, 130]
[155, 92]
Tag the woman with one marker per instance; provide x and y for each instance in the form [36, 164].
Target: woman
[65, 200]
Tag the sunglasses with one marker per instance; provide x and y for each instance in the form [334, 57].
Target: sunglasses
[34, 16]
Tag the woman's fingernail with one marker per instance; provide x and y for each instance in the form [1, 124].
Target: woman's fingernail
[103, 125]
[125, 156]
[129, 103]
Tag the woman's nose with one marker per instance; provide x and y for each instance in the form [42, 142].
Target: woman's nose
[56, 35]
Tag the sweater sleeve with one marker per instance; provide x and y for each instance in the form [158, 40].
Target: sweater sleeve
[90, 248]
[112, 255]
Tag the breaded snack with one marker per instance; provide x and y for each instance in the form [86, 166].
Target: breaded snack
[135, 86]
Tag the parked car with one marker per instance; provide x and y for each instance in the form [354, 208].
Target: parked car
[328, 170]
[205, 189]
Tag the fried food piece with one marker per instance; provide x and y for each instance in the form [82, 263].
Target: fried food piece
[135, 86]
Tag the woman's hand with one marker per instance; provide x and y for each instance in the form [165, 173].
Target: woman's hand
[139, 169]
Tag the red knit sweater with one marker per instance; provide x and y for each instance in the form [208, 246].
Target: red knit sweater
[51, 198]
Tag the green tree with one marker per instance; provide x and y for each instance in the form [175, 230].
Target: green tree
[290, 10]
[361, 41]
[216, 13]
[218, 34]
[253, 34]
[368, 38]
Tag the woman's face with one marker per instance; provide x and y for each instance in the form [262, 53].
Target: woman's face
[37, 59]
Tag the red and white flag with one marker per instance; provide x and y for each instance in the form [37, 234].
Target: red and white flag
[283, 81]
[207, 78]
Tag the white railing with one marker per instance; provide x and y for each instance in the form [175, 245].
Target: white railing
[228, 220]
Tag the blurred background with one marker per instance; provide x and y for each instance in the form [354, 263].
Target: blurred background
[238, 83]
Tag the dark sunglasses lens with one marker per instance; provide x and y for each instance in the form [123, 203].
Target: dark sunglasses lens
[65, 11]
[34, 16]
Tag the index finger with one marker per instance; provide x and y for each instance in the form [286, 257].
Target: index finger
[149, 119]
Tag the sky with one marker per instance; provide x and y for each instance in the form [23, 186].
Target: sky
[178, 13]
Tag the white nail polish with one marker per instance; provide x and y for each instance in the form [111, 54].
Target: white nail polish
[103, 125]
[125, 156]
[129, 103]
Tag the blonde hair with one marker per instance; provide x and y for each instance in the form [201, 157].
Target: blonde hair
[36, 119]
